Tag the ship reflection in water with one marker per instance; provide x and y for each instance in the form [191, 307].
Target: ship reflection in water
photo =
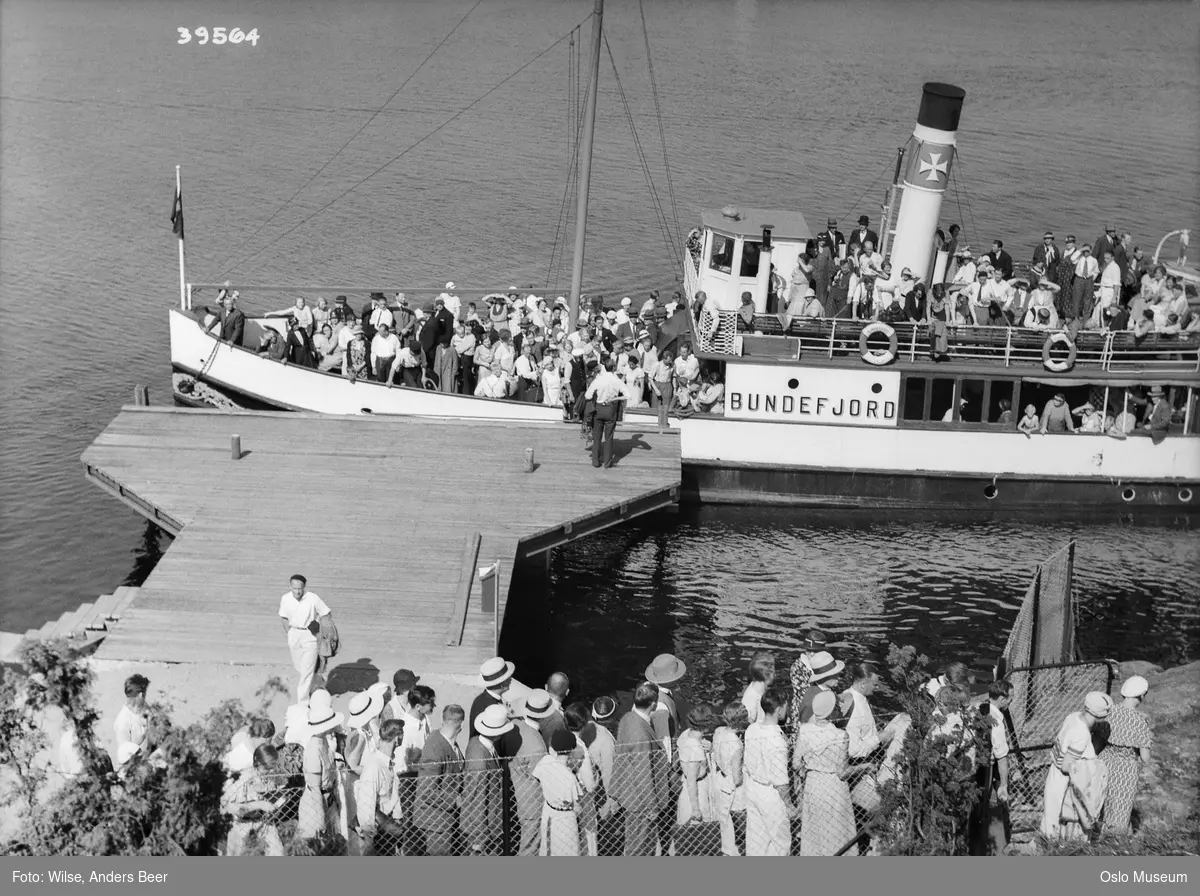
[713, 583]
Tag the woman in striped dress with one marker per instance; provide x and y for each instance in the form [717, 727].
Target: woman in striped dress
[1127, 745]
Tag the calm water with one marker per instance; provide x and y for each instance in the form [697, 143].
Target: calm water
[1070, 121]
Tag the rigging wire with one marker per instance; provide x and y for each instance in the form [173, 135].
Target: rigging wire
[353, 136]
[660, 215]
[862, 195]
[407, 149]
[966, 195]
[574, 122]
[662, 135]
[958, 201]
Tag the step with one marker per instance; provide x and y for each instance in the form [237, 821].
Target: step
[68, 622]
[9, 642]
[47, 630]
[125, 595]
[95, 619]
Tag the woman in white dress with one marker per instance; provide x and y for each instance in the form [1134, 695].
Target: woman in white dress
[821, 762]
[1076, 780]
[551, 380]
[561, 792]
[730, 792]
[696, 803]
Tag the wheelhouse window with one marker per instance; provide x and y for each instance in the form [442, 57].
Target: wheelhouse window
[722, 253]
[914, 398]
[1000, 401]
[941, 400]
[750, 255]
[972, 396]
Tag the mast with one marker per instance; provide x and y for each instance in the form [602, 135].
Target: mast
[585, 169]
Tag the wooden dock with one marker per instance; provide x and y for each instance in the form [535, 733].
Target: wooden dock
[389, 518]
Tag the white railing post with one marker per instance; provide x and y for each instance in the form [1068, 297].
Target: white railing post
[189, 298]
[832, 332]
[1008, 348]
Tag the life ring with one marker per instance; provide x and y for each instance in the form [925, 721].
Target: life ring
[1061, 365]
[873, 355]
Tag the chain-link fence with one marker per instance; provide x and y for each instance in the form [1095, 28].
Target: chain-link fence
[760, 798]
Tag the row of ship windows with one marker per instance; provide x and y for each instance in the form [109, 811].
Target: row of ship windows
[985, 402]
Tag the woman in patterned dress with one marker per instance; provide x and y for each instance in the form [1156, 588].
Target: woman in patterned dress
[1065, 276]
[821, 762]
[1127, 743]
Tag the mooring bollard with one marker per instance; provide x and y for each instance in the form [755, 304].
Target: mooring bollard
[235, 447]
[529, 460]
[141, 396]
[663, 425]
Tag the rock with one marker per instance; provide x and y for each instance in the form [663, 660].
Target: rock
[1171, 781]
[1137, 667]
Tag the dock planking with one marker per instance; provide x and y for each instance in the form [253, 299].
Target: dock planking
[380, 513]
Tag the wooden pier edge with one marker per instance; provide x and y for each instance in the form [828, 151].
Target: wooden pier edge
[462, 598]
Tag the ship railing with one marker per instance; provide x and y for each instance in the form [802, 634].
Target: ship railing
[1004, 346]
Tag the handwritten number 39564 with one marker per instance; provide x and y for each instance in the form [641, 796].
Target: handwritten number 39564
[219, 36]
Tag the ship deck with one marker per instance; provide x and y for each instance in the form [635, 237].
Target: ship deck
[387, 518]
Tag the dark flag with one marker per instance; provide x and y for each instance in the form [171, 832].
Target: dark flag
[177, 213]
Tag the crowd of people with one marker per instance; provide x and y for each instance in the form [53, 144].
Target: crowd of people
[1108, 286]
[536, 772]
[507, 346]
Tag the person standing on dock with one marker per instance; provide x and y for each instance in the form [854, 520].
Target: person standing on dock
[606, 390]
[130, 723]
[301, 611]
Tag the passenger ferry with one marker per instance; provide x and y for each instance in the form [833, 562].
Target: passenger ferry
[839, 412]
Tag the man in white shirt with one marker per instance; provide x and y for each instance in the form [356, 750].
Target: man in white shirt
[1110, 281]
[1083, 289]
[606, 390]
[376, 795]
[452, 303]
[646, 352]
[384, 348]
[494, 385]
[687, 367]
[966, 269]
[130, 723]
[993, 827]
[301, 611]
[380, 315]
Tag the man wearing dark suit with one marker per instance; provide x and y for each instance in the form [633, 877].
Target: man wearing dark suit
[439, 786]
[833, 237]
[1110, 243]
[445, 322]
[497, 677]
[1048, 255]
[639, 778]
[427, 334]
[1001, 259]
[482, 814]
[557, 686]
[863, 234]
[299, 345]
[233, 322]
[527, 790]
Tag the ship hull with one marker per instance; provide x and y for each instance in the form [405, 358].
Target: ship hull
[775, 463]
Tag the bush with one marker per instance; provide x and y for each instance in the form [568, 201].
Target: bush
[925, 810]
[1180, 841]
[168, 803]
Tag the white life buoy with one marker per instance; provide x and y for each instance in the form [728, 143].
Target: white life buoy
[878, 357]
[1061, 365]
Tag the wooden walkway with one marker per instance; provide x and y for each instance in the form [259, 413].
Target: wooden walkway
[387, 517]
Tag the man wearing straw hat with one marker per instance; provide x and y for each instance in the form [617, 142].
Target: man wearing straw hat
[320, 804]
[526, 788]
[482, 815]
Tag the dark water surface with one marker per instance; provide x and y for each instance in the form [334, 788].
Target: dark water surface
[1076, 114]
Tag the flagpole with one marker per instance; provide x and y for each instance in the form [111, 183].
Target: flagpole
[183, 296]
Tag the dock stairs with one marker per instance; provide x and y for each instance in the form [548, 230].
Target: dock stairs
[86, 625]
